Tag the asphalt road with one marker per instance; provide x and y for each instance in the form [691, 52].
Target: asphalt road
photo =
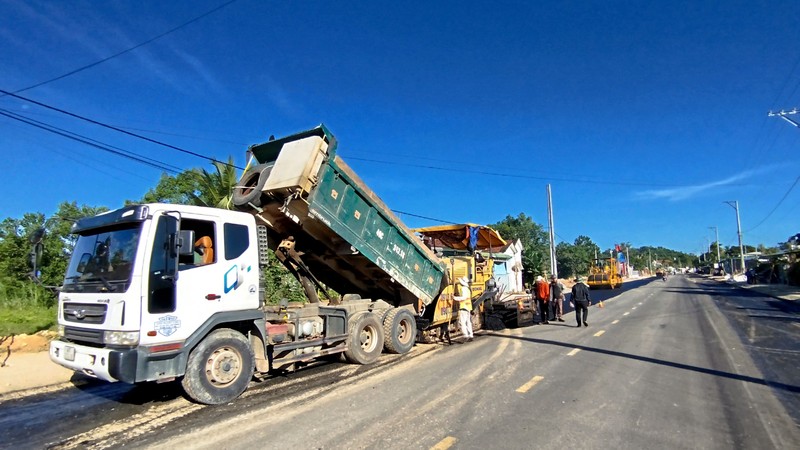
[686, 363]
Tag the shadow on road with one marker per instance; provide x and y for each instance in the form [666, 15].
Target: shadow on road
[717, 373]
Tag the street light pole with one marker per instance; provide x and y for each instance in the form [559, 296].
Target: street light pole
[735, 205]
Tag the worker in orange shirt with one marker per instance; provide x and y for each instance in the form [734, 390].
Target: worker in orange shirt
[542, 291]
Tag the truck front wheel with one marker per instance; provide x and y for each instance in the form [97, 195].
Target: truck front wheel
[364, 340]
[219, 368]
[399, 331]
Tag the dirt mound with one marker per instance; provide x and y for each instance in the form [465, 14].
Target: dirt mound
[27, 343]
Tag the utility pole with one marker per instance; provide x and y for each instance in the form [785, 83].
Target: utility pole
[627, 260]
[708, 248]
[782, 114]
[735, 205]
[553, 260]
[716, 231]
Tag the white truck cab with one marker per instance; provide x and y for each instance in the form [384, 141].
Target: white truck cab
[147, 282]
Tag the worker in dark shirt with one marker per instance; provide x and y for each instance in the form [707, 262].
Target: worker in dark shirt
[581, 300]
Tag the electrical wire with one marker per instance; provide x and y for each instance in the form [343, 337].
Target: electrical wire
[422, 217]
[510, 175]
[127, 50]
[117, 129]
[776, 206]
[90, 142]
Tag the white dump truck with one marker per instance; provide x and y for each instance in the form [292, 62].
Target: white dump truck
[162, 292]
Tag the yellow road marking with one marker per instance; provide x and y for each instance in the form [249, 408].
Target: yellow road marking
[626, 314]
[599, 333]
[612, 323]
[572, 353]
[445, 443]
[527, 386]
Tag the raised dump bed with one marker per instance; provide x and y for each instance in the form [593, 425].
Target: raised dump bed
[347, 237]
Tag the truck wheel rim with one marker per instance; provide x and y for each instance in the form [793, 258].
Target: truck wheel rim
[223, 366]
[367, 339]
[404, 332]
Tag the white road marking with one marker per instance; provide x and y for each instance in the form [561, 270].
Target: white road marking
[573, 352]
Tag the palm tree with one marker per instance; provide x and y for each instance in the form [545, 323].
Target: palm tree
[216, 188]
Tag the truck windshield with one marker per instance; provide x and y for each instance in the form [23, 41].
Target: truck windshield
[103, 260]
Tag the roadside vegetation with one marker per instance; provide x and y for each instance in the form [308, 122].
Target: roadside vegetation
[28, 296]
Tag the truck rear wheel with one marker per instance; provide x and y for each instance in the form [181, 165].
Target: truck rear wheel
[248, 190]
[219, 368]
[364, 340]
[399, 331]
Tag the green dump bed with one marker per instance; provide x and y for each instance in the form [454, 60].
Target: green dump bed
[350, 239]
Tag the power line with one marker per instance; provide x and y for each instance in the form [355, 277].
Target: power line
[84, 140]
[776, 206]
[96, 63]
[422, 217]
[509, 175]
[117, 129]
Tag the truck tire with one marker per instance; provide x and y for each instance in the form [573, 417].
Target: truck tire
[248, 190]
[219, 368]
[399, 331]
[364, 339]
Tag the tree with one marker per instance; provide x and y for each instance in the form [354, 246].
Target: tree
[535, 243]
[181, 189]
[216, 189]
[196, 187]
[574, 259]
[56, 247]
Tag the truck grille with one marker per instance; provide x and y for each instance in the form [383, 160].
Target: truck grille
[86, 336]
[91, 313]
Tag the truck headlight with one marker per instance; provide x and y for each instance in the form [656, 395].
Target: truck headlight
[121, 337]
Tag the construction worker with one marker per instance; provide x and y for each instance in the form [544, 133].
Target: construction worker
[580, 298]
[556, 298]
[464, 308]
[542, 292]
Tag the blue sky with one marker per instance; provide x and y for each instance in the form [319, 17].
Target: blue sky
[645, 117]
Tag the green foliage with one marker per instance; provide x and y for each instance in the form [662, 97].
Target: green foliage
[216, 188]
[574, 259]
[26, 320]
[25, 307]
[195, 187]
[660, 257]
[279, 283]
[179, 189]
[535, 243]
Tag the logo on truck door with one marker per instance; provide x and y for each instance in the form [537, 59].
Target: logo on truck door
[234, 277]
[167, 325]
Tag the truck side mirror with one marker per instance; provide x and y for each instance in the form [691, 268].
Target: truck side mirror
[37, 248]
[186, 243]
[84, 262]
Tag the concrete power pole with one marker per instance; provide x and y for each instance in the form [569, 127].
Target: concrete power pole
[735, 205]
[553, 260]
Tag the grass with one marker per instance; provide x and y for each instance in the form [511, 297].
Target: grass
[25, 308]
[26, 320]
